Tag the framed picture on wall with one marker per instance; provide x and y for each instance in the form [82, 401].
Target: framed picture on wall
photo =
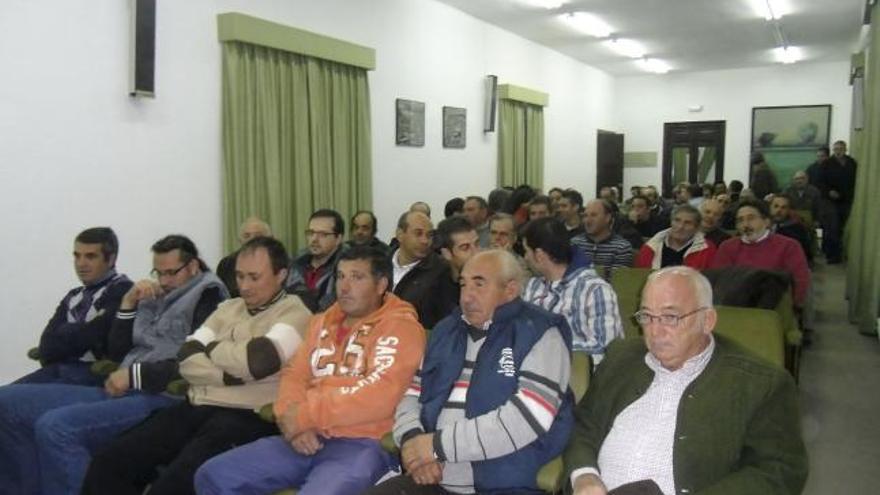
[410, 122]
[789, 136]
[454, 127]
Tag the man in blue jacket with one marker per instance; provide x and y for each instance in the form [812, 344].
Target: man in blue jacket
[76, 334]
[491, 404]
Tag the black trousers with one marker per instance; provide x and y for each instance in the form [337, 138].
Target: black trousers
[404, 485]
[167, 448]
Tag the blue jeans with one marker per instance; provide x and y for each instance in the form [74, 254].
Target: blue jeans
[49, 431]
[70, 372]
[343, 466]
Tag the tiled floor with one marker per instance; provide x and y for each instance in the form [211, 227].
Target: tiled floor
[840, 397]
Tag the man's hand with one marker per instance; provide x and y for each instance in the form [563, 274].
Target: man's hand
[307, 443]
[418, 451]
[428, 474]
[143, 289]
[287, 423]
[589, 484]
[117, 383]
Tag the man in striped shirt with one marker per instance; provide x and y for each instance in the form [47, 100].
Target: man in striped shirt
[569, 288]
[491, 403]
[605, 249]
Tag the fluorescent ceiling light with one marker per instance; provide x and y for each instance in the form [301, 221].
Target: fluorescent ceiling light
[546, 4]
[788, 55]
[587, 24]
[771, 9]
[625, 47]
[654, 65]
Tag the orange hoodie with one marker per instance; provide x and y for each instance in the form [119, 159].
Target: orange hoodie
[351, 390]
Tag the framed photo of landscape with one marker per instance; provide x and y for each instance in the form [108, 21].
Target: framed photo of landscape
[789, 136]
[410, 122]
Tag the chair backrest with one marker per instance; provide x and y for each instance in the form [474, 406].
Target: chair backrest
[758, 330]
[581, 370]
[628, 284]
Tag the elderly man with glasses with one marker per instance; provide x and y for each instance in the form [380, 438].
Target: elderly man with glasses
[683, 411]
[48, 432]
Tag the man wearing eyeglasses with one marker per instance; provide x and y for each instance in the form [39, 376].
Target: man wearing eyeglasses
[312, 274]
[683, 411]
[47, 432]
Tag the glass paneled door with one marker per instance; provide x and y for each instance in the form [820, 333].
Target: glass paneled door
[693, 152]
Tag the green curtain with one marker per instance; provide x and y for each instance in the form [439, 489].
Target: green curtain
[707, 161]
[863, 228]
[296, 137]
[520, 144]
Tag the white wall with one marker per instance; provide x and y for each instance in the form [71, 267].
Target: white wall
[645, 103]
[76, 151]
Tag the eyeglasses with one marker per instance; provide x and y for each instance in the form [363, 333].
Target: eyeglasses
[668, 320]
[319, 233]
[167, 273]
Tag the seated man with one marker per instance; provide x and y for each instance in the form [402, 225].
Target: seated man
[712, 211]
[337, 397]
[457, 240]
[252, 227]
[421, 277]
[784, 223]
[569, 211]
[680, 244]
[758, 247]
[803, 195]
[683, 411]
[641, 218]
[502, 231]
[48, 432]
[311, 274]
[476, 210]
[540, 207]
[231, 364]
[603, 247]
[566, 286]
[77, 332]
[491, 403]
[363, 232]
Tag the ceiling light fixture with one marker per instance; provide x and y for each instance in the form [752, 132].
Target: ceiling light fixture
[626, 47]
[788, 54]
[587, 24]
[771, 10]
[545, 4]
[654, 65]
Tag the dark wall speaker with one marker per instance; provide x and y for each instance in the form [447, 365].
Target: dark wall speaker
[143, 47]
[490, 103]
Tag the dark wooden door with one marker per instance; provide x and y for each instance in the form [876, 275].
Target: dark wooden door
[609, 160]
[692, 152]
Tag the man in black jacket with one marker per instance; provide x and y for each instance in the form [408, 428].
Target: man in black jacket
[421, 276]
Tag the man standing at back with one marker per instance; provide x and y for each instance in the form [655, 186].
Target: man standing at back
[77, 332]
[421, 276]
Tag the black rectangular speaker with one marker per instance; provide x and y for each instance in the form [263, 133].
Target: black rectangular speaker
[143, 47]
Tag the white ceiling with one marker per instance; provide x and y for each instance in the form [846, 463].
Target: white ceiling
[690, 35]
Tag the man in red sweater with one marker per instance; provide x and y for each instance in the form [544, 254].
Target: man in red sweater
[758, 247]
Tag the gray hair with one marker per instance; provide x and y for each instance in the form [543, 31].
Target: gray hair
[503, 216]
[509, 269]
[686, 208]
[699, 283]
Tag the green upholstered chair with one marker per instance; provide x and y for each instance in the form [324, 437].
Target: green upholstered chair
[627, 284]
[550, 476]
[34, 353]
[758, 330]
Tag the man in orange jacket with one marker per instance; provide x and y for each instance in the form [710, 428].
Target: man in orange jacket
[337, 395]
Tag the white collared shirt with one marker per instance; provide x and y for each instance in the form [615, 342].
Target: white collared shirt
[400, 271]
[641, 441]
